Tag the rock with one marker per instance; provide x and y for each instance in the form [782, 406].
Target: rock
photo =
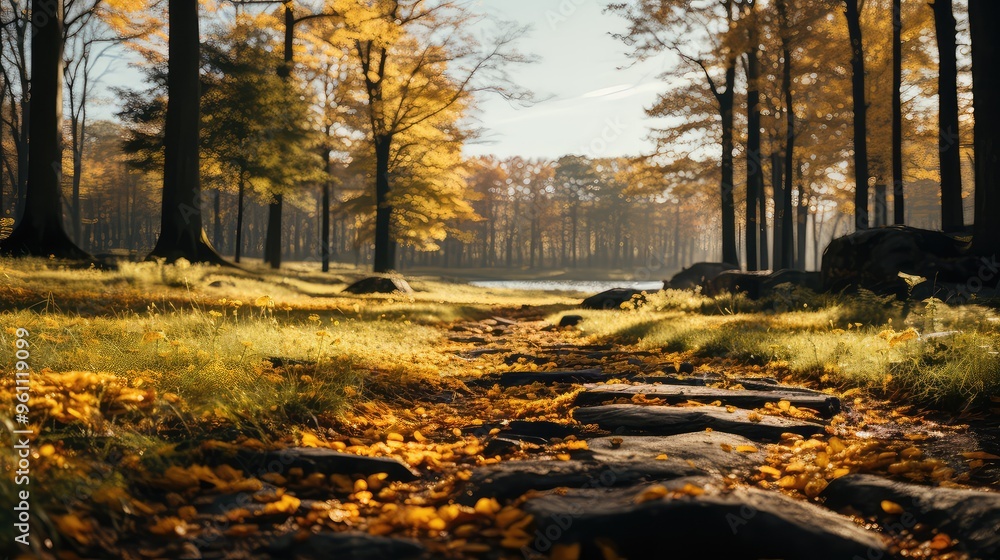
[746, 523]
[505, 321]
[826, 405]
[350, 545]
[315, 459]
[686, 367]
[613, 298]
[970, 516]
[379, 285]
[517, 378]
[627, 461]
[222, 284]
[570, 320]
[696, 275]
[873, 258]
[762, 283]
[665, 420]
[737, 281]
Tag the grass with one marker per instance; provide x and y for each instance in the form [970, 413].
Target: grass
[863, 341]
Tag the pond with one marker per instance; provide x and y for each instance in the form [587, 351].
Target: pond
[587, 286]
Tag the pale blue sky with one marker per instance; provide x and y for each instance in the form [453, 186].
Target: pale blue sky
[589, 105]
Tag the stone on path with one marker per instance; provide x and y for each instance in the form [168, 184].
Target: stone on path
[666, 420]
[379, 285]
[617, 461]
[746, 523]
[826, 405]
[317, 459]
[352, 545]
[972, 517]
[517, 378]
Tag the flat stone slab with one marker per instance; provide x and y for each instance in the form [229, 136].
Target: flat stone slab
[665, 420]
[518, 378]
[826, 405]
[746, 523]
[352, 545]
[616, 461]
[315, 459]
[972, 517]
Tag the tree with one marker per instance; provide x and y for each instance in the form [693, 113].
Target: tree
[40, 231]
[986, 89]
[256, 125]
[948, 146]
[658, 26]
[181, 231]
[853, 15]
[898, 201]
[755, 167]
[418, 61]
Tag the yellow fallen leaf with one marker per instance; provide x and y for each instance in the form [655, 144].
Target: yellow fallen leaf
[892, 508]
[661, 457]
[654, 492]
[746, 449]
[981, 455]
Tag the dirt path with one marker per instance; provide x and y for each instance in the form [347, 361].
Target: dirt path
[557, 446]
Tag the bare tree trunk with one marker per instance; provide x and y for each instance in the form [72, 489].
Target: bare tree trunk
[898, 201]
[729, 253]
[986, 90]
[952, 218]
[40, 231]
[385, 245]
[861, 217]
[181, 231]
[755, 179]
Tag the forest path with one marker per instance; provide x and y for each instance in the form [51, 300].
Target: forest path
[543, 442]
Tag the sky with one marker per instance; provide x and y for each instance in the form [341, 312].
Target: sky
[591, 96]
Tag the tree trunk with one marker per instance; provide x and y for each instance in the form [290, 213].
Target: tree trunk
[385, 246]
[729, 253]
[765, 261]
[801, 223]
[40, 231]
[898, 204]
[755, 180]
[986, 90]
[239, 217]
[181, 231]
[777, 185]
[861, 218]
[952, 218]
[324, 234]
[787, 239]
[217, 210]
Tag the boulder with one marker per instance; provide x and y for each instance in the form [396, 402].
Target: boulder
[379, 285]
[759, 284]
[736, 281]
[570, 320]
[696, 275]
[970, 516]
[825, 405]
[613, 298]
[700, 521]
[872, 259]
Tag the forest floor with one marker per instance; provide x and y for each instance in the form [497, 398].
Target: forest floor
[188, 412]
